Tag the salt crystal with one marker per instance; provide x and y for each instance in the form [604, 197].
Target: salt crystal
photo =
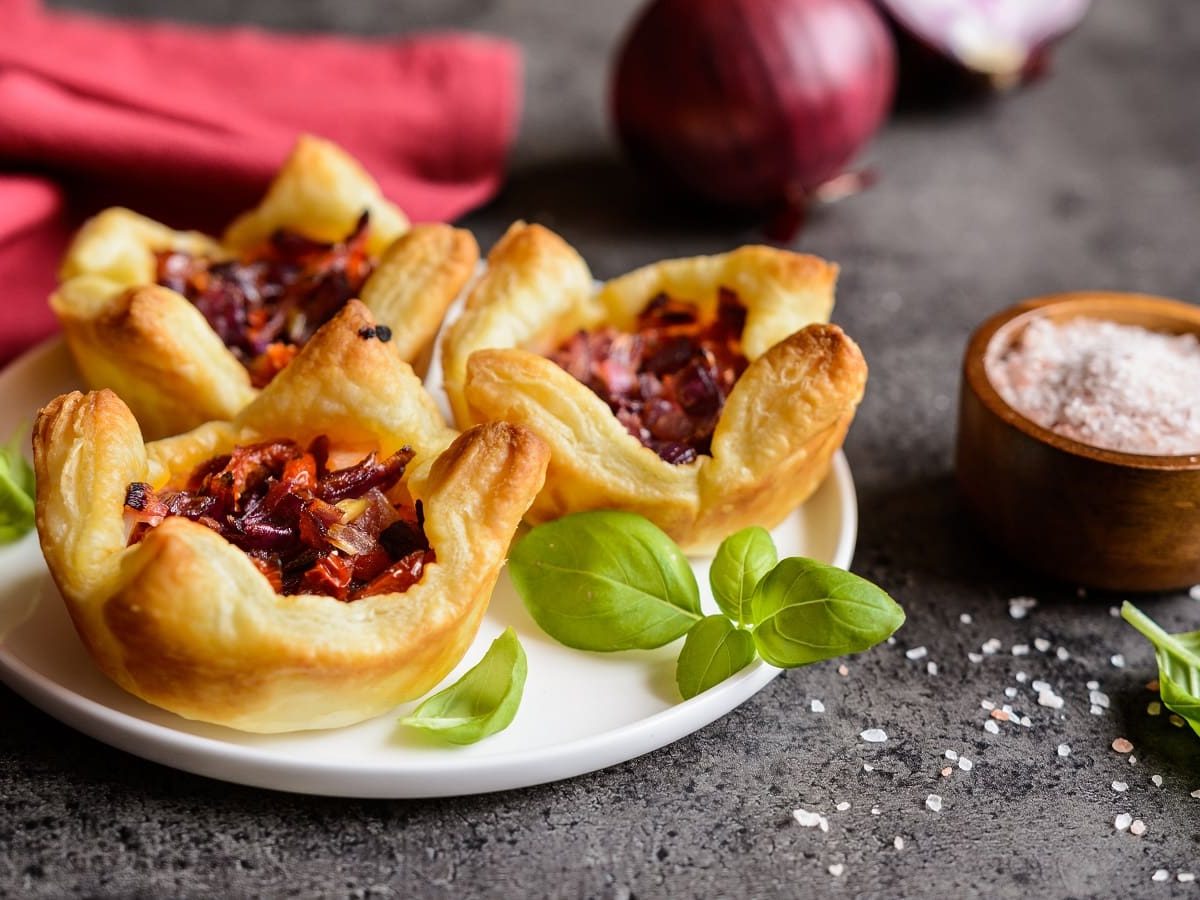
[1160, 875]
[1103, 383]
[1137, 827]
[843, 806]
[1194, 592]
[1196, 794]
[987, 704]
[1121, 745]
[916, 653]
[1040, 686]
[1185, 877]
[1120, 787]
[1133, 760]
[1114, 612]
[1041, 644]
[867, 767]
[875, 810]
[931, 667]
[817, 706]
[1098, 698]
[1020, 650]
[991, 727]
[1093, 685]
[1022, 677]
[952, 755]
[1019, 607]
[806, 819]
[843, 670]
[1156, 780]
[947, 772]
[1153, 708]
[891, 642]
[836, 870]
[965, 764]
[874, 735]
[1062, 654]
[1117, 660]
[1050, 699]
[1010, 692]
[990, 646]
[965, 618]
[1064, 750]
[1122, 821]
[1096, 710]
[975, 657]
[898, 842]
[934, 802]
[1026, 722]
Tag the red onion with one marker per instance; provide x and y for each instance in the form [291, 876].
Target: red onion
[752, 103]
[952, 47]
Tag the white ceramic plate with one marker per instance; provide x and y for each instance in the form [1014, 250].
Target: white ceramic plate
[581, 711]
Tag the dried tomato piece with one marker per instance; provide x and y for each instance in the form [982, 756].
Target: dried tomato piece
[331, 575]
[399, 576]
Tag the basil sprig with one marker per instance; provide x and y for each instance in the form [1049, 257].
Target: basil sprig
[16, 490]
[1178, 664]
[609, 580]
[482, 702]
[605, 580]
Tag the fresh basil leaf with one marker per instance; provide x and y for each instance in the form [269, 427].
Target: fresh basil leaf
[805, 612]
[605, 580]
[483, 701]
[16, 490]
[742, 560]
[714, 650]
[1178, 664]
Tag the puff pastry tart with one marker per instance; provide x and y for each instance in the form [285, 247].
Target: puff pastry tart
[324, 555]
[186, 328]
[707, 394]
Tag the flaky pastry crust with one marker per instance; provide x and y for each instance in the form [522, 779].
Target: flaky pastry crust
[784, 419]
[154, 349]
[186, 621]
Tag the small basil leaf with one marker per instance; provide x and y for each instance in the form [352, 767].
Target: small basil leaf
[605, 580]
[16, 491]
[714, 650]
[483, 701]
[742, 560]
[805, 612]
[1178, 658]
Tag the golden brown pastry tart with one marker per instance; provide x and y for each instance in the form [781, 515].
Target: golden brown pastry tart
[323, 556]
[186, 328]
[707, 394]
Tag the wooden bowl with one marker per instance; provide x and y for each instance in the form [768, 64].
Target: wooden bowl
[1093, 517]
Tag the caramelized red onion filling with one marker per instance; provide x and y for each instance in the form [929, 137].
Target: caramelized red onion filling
[265, 305]
[308, 528]
[667, 381]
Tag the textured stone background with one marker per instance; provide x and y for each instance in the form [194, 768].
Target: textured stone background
[1088, 180]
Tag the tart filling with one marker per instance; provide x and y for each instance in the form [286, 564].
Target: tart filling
[309, 528]
[266, 304]
[666, 381]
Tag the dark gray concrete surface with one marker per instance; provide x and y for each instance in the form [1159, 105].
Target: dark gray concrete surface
[1091, 179]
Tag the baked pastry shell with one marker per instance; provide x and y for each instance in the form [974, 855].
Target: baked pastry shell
[155, 349]
[185, 621]
[784, 419]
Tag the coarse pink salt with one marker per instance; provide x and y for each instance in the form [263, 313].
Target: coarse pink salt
[1120, 387]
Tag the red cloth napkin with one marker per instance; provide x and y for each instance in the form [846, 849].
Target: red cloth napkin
[188, 125]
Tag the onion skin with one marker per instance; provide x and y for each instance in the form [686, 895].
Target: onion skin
[752, 104]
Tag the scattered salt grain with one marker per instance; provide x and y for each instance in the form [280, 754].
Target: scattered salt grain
[1096, 710]
[1049, 699]
[1160, 875]
[991, 727]
[1185, 877]
[1040, 686]
[1114, 612]
[934, 802]
[1104, 383]
[1019, 607]
[1098, 698]
[1121, 745]
[987, 704]
[843, 670]
[898, 842]
[1022, 677]
[1041, 644]
[1133, 760]
[836, 870]
[975, 657]
[952, 755]
[817, 706]
[965, 764]
[1010, 692]
[966, 619]
[947, 772]
[1156, 780]
[1117, 660]
[807, 819]
[1194, 592]
[867, 767]
[891, 642]
[874, 735]
[990, 646]
[916, 653]
[1195, 794]
[1123, 821]
[931, 667]
[1064, 750]
[1137, 827]
[843, 806]
[1020, 650]
[875, 810]
[1153, 708]
[1026, 722]
[1062, 654]
[1120, 787]
[1093, 685]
